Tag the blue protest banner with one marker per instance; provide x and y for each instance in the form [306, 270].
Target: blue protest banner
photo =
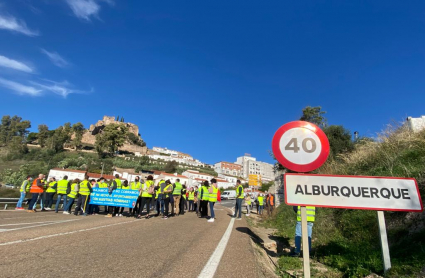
[118, 198]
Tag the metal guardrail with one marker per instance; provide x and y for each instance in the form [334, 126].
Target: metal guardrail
[7, 201]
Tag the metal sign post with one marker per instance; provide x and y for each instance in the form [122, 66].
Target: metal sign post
[306, 248]
[384, 241]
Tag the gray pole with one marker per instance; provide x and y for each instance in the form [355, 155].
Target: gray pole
[102, 169]
[384, 241]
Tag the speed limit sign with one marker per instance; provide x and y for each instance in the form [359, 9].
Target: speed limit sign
[300, 146]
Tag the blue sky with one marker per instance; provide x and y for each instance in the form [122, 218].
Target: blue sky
[214, 79]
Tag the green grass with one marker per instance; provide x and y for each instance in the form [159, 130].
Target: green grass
[9, 193]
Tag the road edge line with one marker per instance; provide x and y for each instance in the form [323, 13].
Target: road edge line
[211, 266]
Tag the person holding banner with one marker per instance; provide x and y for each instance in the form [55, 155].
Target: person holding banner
[311, 217]
[136, 185]
[148, 190]
[116, 184]
[125, 186]
[103, 184]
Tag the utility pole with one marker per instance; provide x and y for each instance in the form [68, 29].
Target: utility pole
[101, 174]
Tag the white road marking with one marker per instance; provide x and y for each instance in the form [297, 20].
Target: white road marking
[17, 224]
[58, 222]
[212, 264]
[66, 233]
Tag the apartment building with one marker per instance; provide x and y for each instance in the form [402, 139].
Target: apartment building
[250, 166]
[228, 168]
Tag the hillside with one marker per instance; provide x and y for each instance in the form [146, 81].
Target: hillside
[348, 240]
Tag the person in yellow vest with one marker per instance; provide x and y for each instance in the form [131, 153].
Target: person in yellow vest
[197, 201]
[239, 198]
[50, 192]
[25, 187]
[116, 184]
[147, 193]
[63, 188]
[204, 199]
[72, 195]
[183, 203]
[136, 185]
[260, 207]
[212, 194]
[167, 195]
[84, 195]
[311, 217]
[248, 204]
[125, 186]
[159, 194]
[102, 184]
[177, 194]
[191, 199]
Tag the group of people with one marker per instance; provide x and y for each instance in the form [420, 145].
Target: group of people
[169, 199]
[260, 201]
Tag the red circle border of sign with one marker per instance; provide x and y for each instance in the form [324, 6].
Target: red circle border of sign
[323, 156]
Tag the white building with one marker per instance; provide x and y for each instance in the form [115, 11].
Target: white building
[173, 178]
[165, 151]
[228, 168]
[416, 124]
[58, 174]
[251, 166]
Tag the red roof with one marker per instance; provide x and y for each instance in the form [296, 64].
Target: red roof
[172, 175]
[97, 176]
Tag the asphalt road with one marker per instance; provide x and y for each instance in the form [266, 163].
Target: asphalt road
[46, 244]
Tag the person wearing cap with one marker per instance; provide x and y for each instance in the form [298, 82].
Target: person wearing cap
[24, 188]
[50, 192]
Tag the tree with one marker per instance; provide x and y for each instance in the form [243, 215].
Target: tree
[57, 140]
[67, 132]
[171, 167]
[78, 130]
[11, 127]
[33, 136]
[265, 186]
[43, 134]
[339, 139]
[111, 138]
[314, 115]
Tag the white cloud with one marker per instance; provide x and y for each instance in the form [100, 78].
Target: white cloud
[56, 58]
[19, 88]
[13, 64]
[86, 8]
[63, 88]
[12, 24]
